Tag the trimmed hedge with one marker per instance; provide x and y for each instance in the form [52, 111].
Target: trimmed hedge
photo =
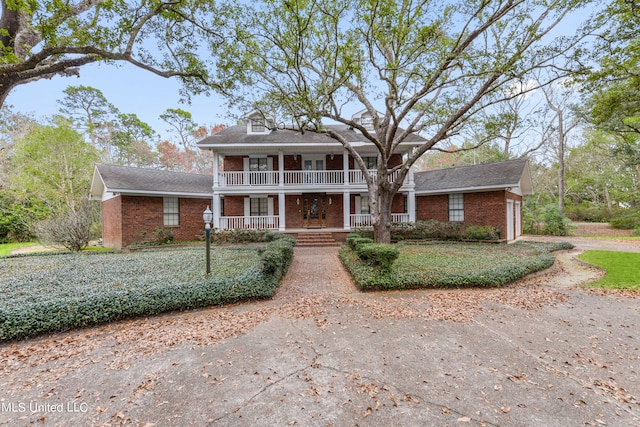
[452, 265]
[60, 292]
[379, 255]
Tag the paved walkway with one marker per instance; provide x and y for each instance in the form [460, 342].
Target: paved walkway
[315, 271]
[323, 354]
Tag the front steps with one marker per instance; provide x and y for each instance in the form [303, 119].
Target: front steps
[316, 239]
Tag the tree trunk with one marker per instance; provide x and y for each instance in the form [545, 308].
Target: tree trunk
[381, 215]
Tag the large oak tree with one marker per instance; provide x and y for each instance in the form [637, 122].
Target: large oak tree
[42, 39]
[426, 66]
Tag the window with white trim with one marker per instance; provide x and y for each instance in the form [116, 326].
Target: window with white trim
[257, 126]
[171, 211]
[364, 205]
[259, 206]
[371, 162]
[367, 123]
[258, 164]
[456, 207]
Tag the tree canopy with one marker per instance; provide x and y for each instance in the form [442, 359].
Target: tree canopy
[42, 39]
[427, 67]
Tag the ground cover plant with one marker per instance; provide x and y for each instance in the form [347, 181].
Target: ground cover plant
[621, 267]
[47, 293]
[452, 265]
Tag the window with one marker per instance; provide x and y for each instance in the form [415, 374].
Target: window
[371, 162]
[257, 125]
[456, 207]
[367, 123]
[171, 210]
[364, 205]
[259, 206]
[258, 164]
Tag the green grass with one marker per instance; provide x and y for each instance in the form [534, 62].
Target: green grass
[7, 248]
[623, 268]
[453, 265]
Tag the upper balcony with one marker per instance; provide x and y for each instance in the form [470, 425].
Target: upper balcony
[295, 178]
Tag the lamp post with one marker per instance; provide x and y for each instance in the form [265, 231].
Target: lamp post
[207, 217]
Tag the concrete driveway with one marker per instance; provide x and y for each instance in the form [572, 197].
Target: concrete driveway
[537, 353]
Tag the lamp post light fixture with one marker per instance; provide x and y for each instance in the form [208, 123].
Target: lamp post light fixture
[207, 217]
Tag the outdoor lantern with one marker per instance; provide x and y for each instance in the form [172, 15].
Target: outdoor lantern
[207, 217]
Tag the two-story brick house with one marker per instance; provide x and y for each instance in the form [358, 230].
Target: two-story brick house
[269, 178]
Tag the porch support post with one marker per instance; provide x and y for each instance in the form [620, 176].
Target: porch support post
[345, 167]
[216, 171]
[346, 203]
[411, 205]
[215, 204]
[281, 215]
[280, 170]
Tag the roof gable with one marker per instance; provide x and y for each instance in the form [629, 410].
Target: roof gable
[513, 174]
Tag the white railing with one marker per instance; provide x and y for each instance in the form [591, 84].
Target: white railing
[357, 177]
[255, 222]
[364, 220]
[313, 177]
[249, 178]
[297, 178]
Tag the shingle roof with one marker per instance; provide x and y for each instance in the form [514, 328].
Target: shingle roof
[125, 179]
[511, 173]
[239, 135]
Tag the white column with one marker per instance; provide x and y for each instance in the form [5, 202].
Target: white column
[280, 169]
[346, 210]
[411, 205]
[345, 167]
[216, 209]
[216, 170]
[281, 215]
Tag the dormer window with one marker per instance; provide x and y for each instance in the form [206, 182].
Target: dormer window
[367, 123]
[257, 126]
[257, 123]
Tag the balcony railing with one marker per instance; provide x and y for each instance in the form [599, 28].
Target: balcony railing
[253, 222]
[364, 220]
[294, 178]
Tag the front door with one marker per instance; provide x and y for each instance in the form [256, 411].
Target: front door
[313, 210]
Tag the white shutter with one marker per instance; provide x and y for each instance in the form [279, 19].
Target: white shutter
[247, 206]
[270, 163]
[245, 164]
[358, 205]
[270, 205]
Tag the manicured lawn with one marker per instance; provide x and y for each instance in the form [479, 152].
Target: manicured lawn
[453, 265]
[623, 268]
[55, 292]
[7, 248]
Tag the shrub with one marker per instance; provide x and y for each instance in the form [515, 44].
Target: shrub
[163, 235]
[355, 242]
[239, 235]
[276, 256]
[555, 224]
[626, 221]
[381, 255]
[71, 229]
[482, 232]
[636, 231]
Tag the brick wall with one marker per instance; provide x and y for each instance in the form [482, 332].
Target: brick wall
[485, 208]
[112, 223]
[334, 210]
[233, 164]
[335, 164]
[293, 211]
[142, 216]
[233, 205]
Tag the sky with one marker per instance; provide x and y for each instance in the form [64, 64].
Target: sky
[129, 88]
[133, 90]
